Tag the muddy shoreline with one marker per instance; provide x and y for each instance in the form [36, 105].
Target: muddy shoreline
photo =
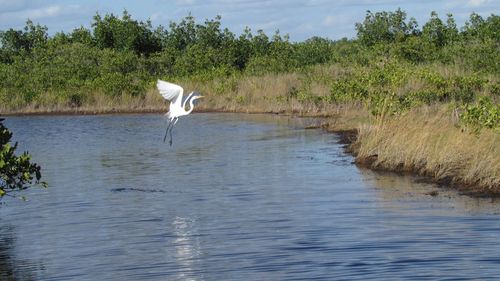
[347, 137]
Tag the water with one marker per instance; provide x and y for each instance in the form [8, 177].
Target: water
[237, 197]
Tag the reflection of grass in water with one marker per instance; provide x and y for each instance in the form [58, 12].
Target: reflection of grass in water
[398, 192]
[274, 136]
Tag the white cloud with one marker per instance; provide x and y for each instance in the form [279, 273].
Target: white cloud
[156, 16]
[305, 28]
[270, 25]
[185, 2]
[44, 12]
[34, 14]
[245, 5]
[9, 7]
[55, 17]
[328, 21]
[477, 3]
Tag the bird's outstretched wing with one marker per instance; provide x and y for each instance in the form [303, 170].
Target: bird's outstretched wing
[169, 91]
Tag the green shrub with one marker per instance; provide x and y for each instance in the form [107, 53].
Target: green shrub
[16, 172]
[482, 114]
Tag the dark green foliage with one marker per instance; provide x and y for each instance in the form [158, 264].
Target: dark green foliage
[16, 172]
[31, 37]
[434, 31]
[478, 28]
[385, 27]
[82, 35]
[315, 50]
[412, 50]
[20, 42]
[124, 34]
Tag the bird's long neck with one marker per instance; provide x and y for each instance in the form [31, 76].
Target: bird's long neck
[187, 99]
[191, 105]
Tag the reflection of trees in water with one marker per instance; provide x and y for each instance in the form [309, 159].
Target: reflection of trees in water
[9, 265]
[12, 268]
[393, 190]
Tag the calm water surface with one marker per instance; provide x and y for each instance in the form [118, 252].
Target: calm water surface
[237, 197]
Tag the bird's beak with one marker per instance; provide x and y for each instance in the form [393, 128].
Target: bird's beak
[201, 97]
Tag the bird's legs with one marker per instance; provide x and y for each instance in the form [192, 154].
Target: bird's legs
[170, 142]
[166, 132]
[171, 128]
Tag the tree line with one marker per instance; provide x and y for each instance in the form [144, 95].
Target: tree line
[122, 55]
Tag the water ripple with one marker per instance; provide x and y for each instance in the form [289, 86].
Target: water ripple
[237, 197]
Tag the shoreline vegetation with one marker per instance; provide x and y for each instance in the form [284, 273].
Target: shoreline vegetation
[404, 99]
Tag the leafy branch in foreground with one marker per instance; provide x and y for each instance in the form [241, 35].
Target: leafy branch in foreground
[16, 172]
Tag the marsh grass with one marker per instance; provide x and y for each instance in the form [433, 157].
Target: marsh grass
[90, 103]
[428, 141]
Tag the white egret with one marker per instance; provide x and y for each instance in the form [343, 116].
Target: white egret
[174, 94]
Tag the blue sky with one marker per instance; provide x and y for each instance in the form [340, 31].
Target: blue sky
[299, 19]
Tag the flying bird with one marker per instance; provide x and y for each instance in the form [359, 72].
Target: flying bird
[174, 94]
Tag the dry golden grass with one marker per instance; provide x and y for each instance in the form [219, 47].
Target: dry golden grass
[93, 104]
[427, 141]
[269, 93]
[247, 94]
[252, 94]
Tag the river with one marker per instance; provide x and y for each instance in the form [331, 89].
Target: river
[237, 197]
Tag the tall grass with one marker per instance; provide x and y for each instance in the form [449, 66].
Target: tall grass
[93, 103]
[427, 140]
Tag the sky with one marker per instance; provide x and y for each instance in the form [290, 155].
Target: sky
[333, 19]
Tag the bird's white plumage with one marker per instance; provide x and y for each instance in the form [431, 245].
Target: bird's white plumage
[169, 91]
[173, 93]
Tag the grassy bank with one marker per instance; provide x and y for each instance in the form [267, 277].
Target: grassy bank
[95, 103]
[430, 139]
[427, 141]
